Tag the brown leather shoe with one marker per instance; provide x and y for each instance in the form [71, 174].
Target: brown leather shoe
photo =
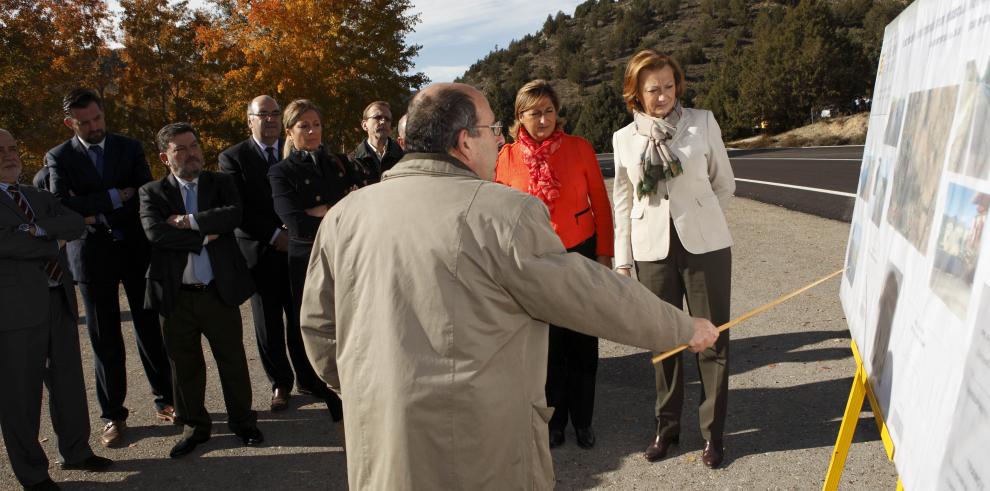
[113, 433]
[280, 400]
[712, 454]
[658, 449]
[166, 414]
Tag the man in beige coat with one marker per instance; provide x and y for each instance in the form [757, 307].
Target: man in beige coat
[426, 309]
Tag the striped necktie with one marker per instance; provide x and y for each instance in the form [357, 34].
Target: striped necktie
[52, 268]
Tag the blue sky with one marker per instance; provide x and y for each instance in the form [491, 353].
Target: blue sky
[454, 34]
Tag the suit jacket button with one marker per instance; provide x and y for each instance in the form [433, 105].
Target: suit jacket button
[306, 181]
[340, 174]
[317, 198]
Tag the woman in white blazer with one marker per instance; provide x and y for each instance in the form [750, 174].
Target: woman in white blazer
[672, 183]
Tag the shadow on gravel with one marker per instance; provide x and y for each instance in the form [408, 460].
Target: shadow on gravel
[277, 464]
[772, 417]
[323, 470]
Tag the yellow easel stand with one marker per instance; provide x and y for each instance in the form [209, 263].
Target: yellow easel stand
[861, 390]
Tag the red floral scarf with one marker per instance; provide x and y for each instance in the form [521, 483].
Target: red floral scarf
[542, 182]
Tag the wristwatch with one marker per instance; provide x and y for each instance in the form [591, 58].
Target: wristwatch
[24, 227]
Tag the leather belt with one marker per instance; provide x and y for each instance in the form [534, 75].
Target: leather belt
[196, 287]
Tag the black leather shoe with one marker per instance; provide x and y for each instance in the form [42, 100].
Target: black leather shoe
[46, 485]
[186, 446]
[658, 449]
[251, 437]
[556, 438]
[713, 453]
[93, 463]
[585, 437]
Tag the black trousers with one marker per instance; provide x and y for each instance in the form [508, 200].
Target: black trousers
[273, 300]
[45, 354]
[298, 264]
[200, 314]
[572, 368]
[705, 281]
[101, 302]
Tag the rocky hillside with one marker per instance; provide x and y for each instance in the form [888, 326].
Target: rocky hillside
[822, 53]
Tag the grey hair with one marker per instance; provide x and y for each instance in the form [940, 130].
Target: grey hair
[435, 121]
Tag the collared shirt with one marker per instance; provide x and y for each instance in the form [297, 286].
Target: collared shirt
[375, 152]
[188, 276]
[114, 195]
[264, 148]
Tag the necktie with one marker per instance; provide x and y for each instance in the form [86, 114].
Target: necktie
[52, 268]
[201, 261]
[96, 153]
[271, 156]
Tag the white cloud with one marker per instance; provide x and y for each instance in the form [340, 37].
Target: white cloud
[441, 73]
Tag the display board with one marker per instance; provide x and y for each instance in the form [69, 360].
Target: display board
[916, 291]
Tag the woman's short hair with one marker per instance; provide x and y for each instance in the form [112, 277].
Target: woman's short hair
[528, 96]
[291, 114]
[648, 59]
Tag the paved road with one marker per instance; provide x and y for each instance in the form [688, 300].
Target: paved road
[818, 180]
[791, 370]
[821, 181]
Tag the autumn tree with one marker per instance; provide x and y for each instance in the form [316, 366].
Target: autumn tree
[164, 79]
[48, 47]
[341, 54]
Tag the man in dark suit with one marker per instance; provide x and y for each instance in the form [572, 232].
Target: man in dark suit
[96, 174]
[197, 280]
[377, 153]
[39, 342]
[264, 242]
[42, 179]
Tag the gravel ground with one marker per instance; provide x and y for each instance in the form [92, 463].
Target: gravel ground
[791, 370]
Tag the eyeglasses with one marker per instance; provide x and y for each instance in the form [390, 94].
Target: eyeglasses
[496, 128]
[267, 114]
[380, 119]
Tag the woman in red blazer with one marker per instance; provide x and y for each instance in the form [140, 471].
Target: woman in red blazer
[563, 172]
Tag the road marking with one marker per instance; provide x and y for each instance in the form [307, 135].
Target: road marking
[803, 188]
[787, 158]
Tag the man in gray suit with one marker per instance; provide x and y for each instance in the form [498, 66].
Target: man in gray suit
[39, 342]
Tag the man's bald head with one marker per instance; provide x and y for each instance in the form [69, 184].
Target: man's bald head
[437, 115]
[448, 118]
[264, 119]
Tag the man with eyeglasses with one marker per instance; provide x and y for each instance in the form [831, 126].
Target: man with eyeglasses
[379, 152]
[426, 308]
[264, 242]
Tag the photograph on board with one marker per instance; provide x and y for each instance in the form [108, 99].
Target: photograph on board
[879, 354]
[879, 190]
[920, 160]
[866, 172]
[957, 249]
[892, 134]
[852, 255]
[969, 151]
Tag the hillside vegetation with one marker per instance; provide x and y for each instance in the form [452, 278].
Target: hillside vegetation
[750, 62]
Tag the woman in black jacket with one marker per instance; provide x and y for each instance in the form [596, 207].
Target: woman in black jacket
[304, 187]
